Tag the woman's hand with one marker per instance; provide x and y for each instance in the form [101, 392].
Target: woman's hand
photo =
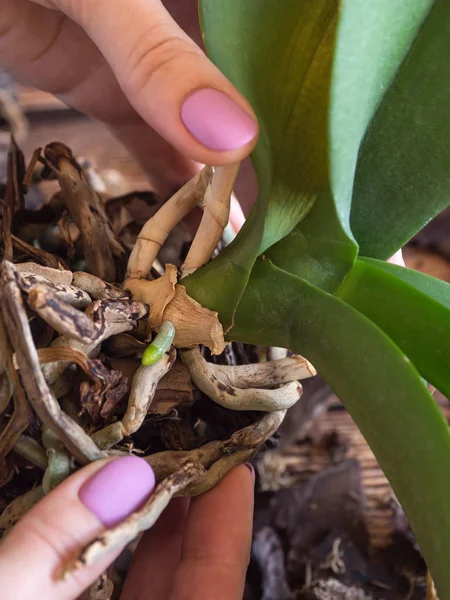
[127, 63]
[196, 550]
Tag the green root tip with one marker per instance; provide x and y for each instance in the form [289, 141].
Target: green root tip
[160, 344]
[151, 356]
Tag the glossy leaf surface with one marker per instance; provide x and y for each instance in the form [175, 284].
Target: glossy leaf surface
[402, 177]
[378, 385]
[419, 324]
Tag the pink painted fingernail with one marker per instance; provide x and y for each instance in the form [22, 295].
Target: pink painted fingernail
[216, 121]
[118, 489]
[251, 468]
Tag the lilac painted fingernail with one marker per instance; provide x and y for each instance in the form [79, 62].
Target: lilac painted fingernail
[216, 121]
[118, 489]
[251, 468]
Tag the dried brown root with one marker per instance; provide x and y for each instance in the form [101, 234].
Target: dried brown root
[102, 589]
[240, 448]
[99, 241]
[166, 462]
[156, 230]
[140, 520]
[59, 462]
[17, 423]
[31, 450]
[60, 315]
[14, 196]
[257, 433]
[97, 288]
[42, 256]
[204, 376]
[5, 391]
[39, 395]
[273, 373]
[216, 211]
[69, 294]
[143, 390]
[18, 508]
[112, 317]
[218, 457]
[56, 276]
[216, 472]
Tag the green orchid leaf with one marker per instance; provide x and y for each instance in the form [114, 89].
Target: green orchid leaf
[318, 249]
[279, 56]
[418, 324]
[373, 39]
[378, 385]
[402, 177]
[431, 286]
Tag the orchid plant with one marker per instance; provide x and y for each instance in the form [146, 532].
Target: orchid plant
[352, 99]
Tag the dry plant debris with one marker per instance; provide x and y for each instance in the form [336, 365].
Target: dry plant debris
[82, 296]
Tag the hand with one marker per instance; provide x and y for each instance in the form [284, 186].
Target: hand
[196, 550]
[130, 65]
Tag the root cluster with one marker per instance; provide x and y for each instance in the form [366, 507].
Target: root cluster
[78, 309]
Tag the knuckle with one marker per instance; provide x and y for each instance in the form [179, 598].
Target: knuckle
[151, 58]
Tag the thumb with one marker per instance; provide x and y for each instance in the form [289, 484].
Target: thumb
[33, 555]
[168, 79]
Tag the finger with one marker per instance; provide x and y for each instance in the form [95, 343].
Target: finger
[151, 572]
[33, 554]
[217, 540]
[398, 259]
[165, 167]
[168, 79]
[237, 218]
[36, 47]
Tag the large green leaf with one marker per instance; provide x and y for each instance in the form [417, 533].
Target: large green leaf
[373, 38]
[279, 55]
[402, 177]
[419, 324]
[318, 249]
[379, 386]
[431, 286]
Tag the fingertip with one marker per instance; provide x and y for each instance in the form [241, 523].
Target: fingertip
[118, 489]
[170, 82]
[251, 468]
[217, 121]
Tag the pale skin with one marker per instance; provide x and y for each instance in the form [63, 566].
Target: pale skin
[198, 548]
[130, 65]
